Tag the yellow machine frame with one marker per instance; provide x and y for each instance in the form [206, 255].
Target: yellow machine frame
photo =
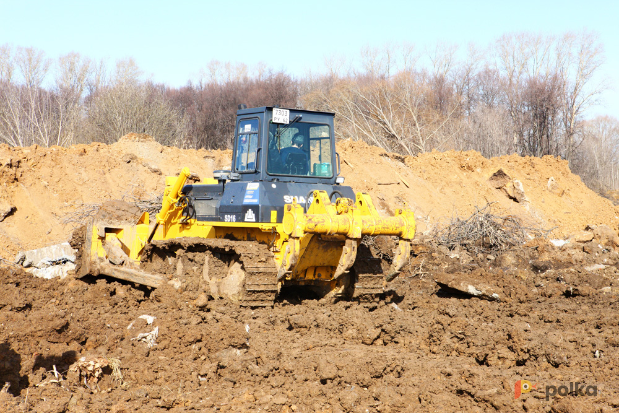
[320, 245]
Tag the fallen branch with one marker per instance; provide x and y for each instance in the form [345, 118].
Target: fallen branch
[9, 263]
[418, 271]
[151, 204]
[370, 242]
[403, 180]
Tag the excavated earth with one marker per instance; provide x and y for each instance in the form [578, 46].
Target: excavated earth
[542, 313]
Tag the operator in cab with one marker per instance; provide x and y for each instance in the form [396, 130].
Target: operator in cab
[294, 158]
[296, 147]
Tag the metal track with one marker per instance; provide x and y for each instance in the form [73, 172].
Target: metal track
[368, 285]
[260, 287]
[370, 279]
[160, 264]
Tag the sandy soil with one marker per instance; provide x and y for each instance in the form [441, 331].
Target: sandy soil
[422, 346]
[441, 185]
[46, 185]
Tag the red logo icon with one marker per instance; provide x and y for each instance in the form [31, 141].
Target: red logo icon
[523, 386]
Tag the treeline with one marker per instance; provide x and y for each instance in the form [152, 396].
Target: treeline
[76, 100]
[527, 94]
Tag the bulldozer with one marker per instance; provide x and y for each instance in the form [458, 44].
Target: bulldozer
[280, 216]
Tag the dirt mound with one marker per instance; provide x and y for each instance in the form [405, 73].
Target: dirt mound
[136, 137]
[440, 185]
[43, 187]
[46, 186]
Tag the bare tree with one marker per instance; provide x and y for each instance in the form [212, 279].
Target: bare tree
[211, 105]
[443, 58]
[7, 64]
[142, 108]
[72, 77]
[548, 86]
[598, 160]
[523, 59]
[583, 57]
[390, 104]
[127, 73]
[488, 130]
[125, 104]
[27, 110]
[33, 66]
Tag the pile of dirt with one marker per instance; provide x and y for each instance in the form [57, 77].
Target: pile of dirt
[441, 185]
[46, 186]
[42, 188]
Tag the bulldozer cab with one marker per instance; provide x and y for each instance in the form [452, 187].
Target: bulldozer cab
[285, 145]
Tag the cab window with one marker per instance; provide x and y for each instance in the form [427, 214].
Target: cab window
[246, 145]
[301, 149]
[320, 151]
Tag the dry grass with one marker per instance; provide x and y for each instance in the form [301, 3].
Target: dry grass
[152, 205]
[80, 213]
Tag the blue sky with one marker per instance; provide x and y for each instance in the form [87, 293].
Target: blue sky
[172, 40]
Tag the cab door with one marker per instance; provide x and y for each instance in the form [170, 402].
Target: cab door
[246, 145]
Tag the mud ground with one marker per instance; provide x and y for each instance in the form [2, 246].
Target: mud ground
[418, 347]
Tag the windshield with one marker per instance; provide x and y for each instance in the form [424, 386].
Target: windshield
[300, 149]
[246, 144]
